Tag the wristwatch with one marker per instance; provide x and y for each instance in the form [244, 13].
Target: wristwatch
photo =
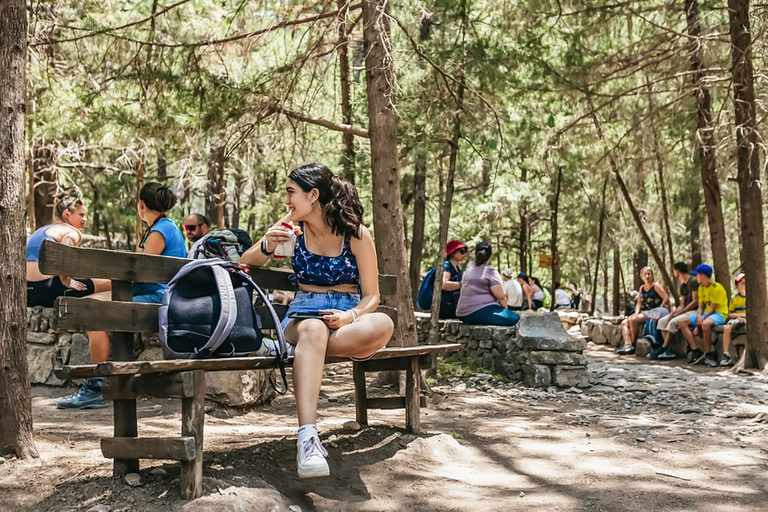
[264, 248]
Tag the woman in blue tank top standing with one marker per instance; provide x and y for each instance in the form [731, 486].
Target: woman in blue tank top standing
[335, 267]
[162, 237]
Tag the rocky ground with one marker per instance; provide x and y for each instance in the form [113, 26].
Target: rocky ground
[661, 437]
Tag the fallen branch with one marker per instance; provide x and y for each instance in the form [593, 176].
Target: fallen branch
[673, 476]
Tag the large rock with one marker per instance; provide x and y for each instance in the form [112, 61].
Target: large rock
[543, 332]
[238, 499]
[569, 358]
[41, 338]
[40, 360]
[239, 388]
[79, 353]
[571, 376]
[537, 376]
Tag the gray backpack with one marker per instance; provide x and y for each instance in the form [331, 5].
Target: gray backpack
[207, 312]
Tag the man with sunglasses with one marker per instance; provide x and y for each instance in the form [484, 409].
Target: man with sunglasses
[196, 226]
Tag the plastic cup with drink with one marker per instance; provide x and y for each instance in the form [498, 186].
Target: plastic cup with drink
[285, 249]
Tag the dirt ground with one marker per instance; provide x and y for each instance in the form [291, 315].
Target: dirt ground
[486, 446]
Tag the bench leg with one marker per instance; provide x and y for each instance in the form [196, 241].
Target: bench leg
[125, 426]
[192, 422]
[412, 394]
[361, 397]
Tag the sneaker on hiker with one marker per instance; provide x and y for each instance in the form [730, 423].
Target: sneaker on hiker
[269, 347]
[711, 359]
[696, 356]
[654, 353]
[726, 360]
[311, 458]
[626, 350]
[87, 397]
[667, 355]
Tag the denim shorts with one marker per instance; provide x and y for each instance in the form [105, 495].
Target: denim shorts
[717, 318]
[152, 298]
[308, 302]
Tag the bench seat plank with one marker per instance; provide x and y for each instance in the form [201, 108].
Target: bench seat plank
[172, 448]
[233, 363]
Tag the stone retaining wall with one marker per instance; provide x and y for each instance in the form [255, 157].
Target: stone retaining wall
[537, 351]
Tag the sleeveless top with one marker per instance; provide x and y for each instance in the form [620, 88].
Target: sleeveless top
[313, 269]
[35, 242]
[649, 299]
[174, 246]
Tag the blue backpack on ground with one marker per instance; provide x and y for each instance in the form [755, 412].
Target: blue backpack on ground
[426, 290]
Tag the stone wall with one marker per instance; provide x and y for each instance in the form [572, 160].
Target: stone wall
[47, 350]
[537, 351]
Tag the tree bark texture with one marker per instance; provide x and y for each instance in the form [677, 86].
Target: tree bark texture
[554, 208]
[706, 144]
[750, 194]
[445, 216]
[141, 171]
[635, 213]
[523, 238]
[593, 292]
[616, 279]
[348, 158]
[215, 160]
[382, 129]
[639, 262]
[419, 217]
[16, 433]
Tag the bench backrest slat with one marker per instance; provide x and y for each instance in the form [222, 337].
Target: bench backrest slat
[59, 259]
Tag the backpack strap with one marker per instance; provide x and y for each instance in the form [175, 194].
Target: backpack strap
[228, 314]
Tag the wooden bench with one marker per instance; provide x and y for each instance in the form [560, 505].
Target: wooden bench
[125, 379]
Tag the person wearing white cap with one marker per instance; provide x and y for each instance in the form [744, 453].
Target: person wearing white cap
[513, 290]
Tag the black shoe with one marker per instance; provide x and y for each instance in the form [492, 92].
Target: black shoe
[626, 350]
[726, 360]
[87, 397]
[711, 360]
[696, 356]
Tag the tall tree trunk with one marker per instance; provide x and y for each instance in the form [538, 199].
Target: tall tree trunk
[162, 164]
[616, 279]
[635, 214]
[16, 433]
[141, 171]
[639, 262]
[348, 158]
[694, 223]
[705, 140]
[750, 194]
[419, 212]
[45, 185]
[605, 286]
[523, 238]
[31, 166]
[662, 186]
[382, 127]
[554, 208]
[221, 189]
[593, 292]
[445, 212]
[212, 198]
[236, 201]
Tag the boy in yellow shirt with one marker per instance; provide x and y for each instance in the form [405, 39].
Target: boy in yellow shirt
[712, 310]
[737, 315]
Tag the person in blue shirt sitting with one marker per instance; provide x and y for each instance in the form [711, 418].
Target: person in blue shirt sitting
[162, 237]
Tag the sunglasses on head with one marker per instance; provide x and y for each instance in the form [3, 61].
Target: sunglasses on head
[191, 227]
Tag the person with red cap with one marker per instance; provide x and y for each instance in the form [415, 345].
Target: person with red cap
[455, 254]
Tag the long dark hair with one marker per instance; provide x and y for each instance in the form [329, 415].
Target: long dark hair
[482, 252]
[342, 210]
[157, 197]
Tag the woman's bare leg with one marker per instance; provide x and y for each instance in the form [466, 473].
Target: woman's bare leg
[311, 338]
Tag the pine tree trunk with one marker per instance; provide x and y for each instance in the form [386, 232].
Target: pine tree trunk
[523, 238]
[705, 140]
[694, 223]
[16, 433]
[141, 170]
[45, 178]
[348, 158]
[382, 127]
[748, 157]
[635, 214]
[616, 279]
[593, 292]
[554, 208]
[662, 186]
[419, 212]
[212, 198]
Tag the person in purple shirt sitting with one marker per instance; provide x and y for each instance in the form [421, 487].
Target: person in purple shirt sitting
[482, 300]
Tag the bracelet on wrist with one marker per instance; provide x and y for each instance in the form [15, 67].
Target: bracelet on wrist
[263, 248]
[355, 315]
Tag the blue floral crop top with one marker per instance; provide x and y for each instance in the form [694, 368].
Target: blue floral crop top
[313, 269]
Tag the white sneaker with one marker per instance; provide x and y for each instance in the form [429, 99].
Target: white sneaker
[269, 347]
[311, 458]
